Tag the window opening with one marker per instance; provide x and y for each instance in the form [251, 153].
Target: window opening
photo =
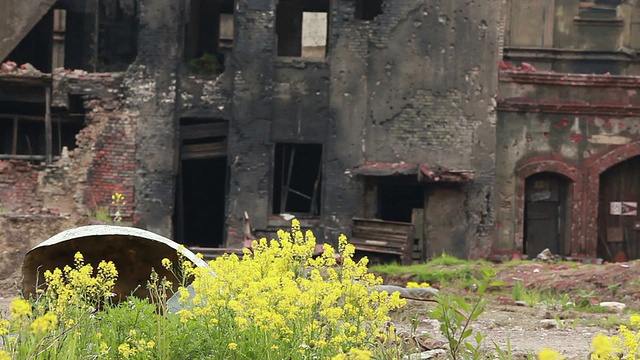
[302, 28]
[297, 179]
[368, 9]
[209, 35]
[23, 128]
[117, 34]
[599, 9]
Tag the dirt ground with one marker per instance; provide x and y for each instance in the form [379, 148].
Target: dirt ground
[545, 325]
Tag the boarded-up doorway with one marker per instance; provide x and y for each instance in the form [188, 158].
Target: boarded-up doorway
[545, 224]
[618, 222]
[199, 219]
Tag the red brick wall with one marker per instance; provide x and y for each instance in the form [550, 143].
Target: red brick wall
[18, 186]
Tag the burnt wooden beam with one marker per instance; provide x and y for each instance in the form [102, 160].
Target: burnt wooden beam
[47, 126]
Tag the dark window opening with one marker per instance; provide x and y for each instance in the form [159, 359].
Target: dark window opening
[117, 35]
[301, 28]
[599, 9]
[396, 202]
[75, 37]
[199, 217]
[209, 36]
[297, 179]
[368, 9]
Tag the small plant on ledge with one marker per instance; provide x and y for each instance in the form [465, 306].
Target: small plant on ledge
[207, 64]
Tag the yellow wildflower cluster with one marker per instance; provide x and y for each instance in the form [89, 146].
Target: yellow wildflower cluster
[548, 354]
[134, 346]
[415, 285]
[294, 301]
[77, 287]
[615, 347]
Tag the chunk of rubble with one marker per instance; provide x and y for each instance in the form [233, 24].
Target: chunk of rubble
[429, 354]
[613, 306]
[420, 293]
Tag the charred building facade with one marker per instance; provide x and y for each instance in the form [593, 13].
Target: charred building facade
[203, 112]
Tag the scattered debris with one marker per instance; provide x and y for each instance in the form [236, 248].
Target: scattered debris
[11, 67]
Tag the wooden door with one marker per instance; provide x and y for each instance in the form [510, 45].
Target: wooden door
[542, 227]
[545, 214]
[618, 222]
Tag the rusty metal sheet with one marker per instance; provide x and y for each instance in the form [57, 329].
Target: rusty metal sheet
[135, 252]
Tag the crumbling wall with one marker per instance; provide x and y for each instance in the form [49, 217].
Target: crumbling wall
[407, 86]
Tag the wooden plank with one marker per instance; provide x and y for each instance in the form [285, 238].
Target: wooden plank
[14, 144]
[47, 126]
[203, 151]
[204, 130]
[380, 250]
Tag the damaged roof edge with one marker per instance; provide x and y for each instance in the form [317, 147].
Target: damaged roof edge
[424, 171]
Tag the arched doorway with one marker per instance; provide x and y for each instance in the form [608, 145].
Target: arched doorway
[618, 222]
[547, 196]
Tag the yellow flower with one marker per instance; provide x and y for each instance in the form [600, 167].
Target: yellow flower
[548, 354]
[232, 346]
[635, 320]
[415, 285]
[20, 308]
[166, 263]
[4, 327]
[44, 323]
[604, 347]
[4, 355]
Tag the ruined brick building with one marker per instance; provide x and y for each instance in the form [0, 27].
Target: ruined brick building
[202, 111]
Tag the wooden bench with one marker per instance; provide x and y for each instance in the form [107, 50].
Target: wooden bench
[387, 237]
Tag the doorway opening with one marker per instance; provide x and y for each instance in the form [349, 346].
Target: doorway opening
[397, 201]
[618, 222]
[545, 214]
[199, 218]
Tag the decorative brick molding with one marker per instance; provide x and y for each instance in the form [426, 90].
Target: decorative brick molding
[567, 171]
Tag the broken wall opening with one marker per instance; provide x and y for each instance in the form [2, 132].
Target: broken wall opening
[368, 9]
[302, 28]
[209, 35]
[397, 201]
[36, 47]
[199, 218]
[297, 179]
[75, 35]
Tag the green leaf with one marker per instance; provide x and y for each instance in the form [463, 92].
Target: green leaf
[466, 333]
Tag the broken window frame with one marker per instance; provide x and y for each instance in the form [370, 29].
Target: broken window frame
[285, 169]
[591, 10]
[49, 130]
